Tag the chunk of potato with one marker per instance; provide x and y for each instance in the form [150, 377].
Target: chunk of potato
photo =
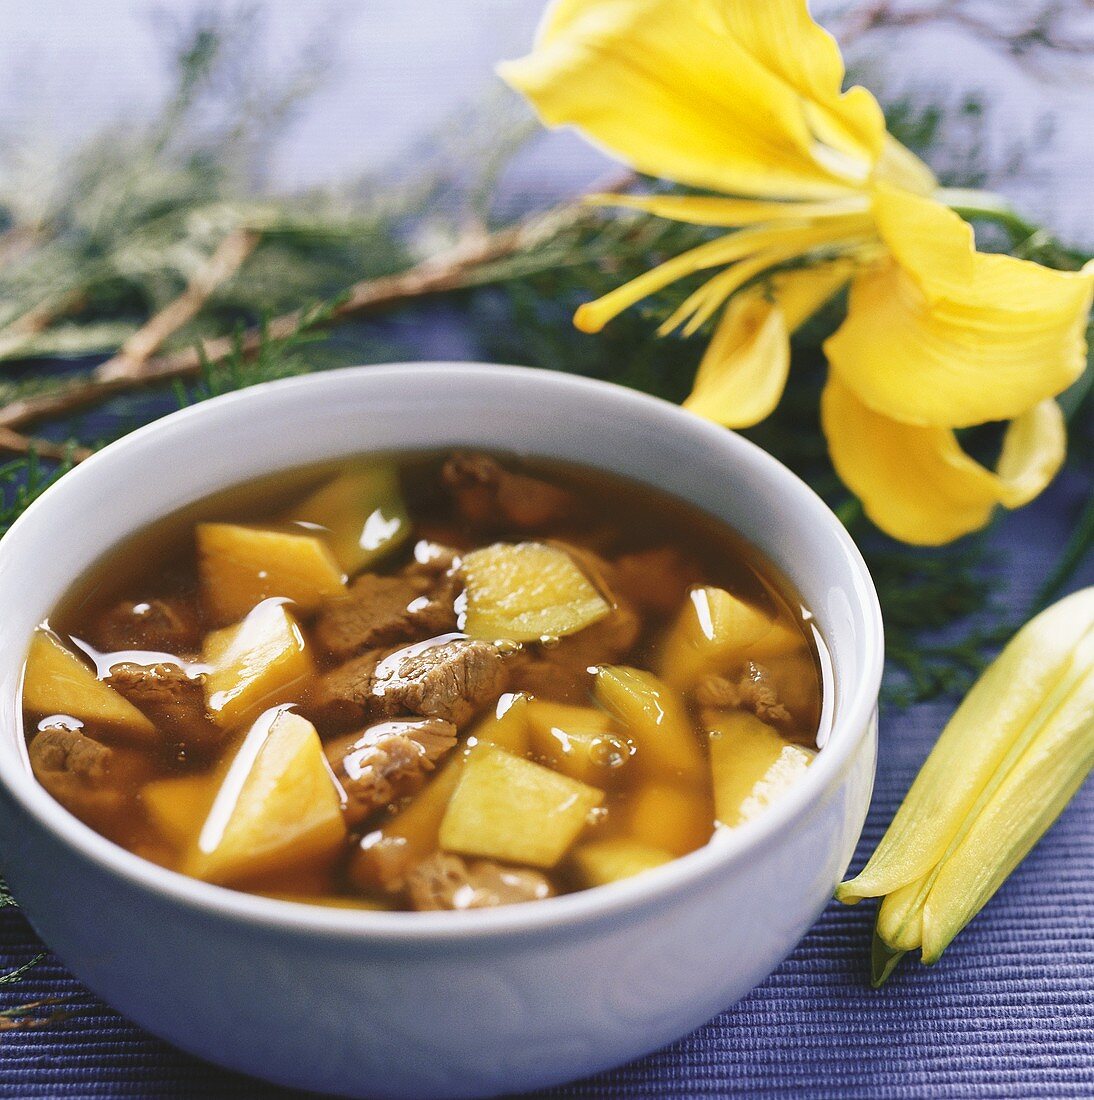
[507, 727]
[177, 807]
[713, 630]
[578, 741]
[515, 811]
[751, 765]
[254, 665]
[654, 717]
[528, 590]
[363, 512]
[384, 856]
[602, 861]
[57, 681]
[277, 808]
[241, 566]
[663, 815]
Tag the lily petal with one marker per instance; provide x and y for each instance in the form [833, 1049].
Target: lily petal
[732, 96]
[729, 212]
[744, 369]
[918, 485]
[942, 335]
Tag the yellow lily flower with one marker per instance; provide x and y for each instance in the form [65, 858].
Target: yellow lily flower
[746, 100]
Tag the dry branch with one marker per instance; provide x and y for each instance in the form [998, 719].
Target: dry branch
[225, 261]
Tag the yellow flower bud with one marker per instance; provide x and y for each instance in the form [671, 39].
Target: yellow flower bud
[1005, 766]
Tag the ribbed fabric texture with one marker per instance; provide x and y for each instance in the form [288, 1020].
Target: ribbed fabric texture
[1007, 1013]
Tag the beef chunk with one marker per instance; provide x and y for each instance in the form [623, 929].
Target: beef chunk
[753, 690]
[432, 559]
[173, 700]
[387, 761]
[163, 625]
[80, 772]
[63, 749]
[656, 580]
[446, 881]
[343, 696]
[379, 611]
[487, 495]
[451, 680]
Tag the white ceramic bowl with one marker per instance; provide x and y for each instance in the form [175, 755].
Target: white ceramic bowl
[437, 1004]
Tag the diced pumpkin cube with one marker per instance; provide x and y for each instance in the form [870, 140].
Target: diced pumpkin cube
[363, 512]
[384, 856]
[178, 806]
[666, 816]
[241, 566]
[515, 811]
[528, 590]
[57, 681]
[254, 665]
[277, 808]
[713, 630]
[602, 861]
[654, 718]
[507, 727]
[578, 741]
[751, 765]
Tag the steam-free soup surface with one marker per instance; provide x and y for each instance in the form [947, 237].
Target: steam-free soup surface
[424, 682]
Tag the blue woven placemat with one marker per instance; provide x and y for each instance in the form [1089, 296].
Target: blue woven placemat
[1008, 1012]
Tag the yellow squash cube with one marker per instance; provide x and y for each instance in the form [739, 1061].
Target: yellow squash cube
[751, 766]
[363, 512]
[654, 718]
[57, 681]
[385, 856]
[277, 809]
[514, 811]
[663, 815]
[602, 861]
[507, 727]
[578, 741]
[712, 631]
[526, 591]
[241, 566]
[177, 807]
[254, 665]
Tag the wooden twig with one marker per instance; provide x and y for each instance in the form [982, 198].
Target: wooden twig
[455, 269]
[14, 443]
[36, 319]
[225, 261]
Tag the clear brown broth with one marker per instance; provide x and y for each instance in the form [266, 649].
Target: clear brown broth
[620, 517]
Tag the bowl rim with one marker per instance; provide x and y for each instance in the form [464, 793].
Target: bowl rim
[852, 716]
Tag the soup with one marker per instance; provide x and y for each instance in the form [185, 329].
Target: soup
[440, 681]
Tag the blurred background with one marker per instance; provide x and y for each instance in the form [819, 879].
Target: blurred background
[351, 90]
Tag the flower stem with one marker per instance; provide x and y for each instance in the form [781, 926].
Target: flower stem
[987, 206]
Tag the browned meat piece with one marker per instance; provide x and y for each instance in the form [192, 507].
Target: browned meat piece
[558, 681]
[432, 559]
[753, 691]
[166, 626]
[488, 495]
[451, 680]
[63, 749]
[343, 696]
[387, 761]
[379, 611]
[80, 772]
[656, 580]
[173, 700]
[603, 643]
[446, 881]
